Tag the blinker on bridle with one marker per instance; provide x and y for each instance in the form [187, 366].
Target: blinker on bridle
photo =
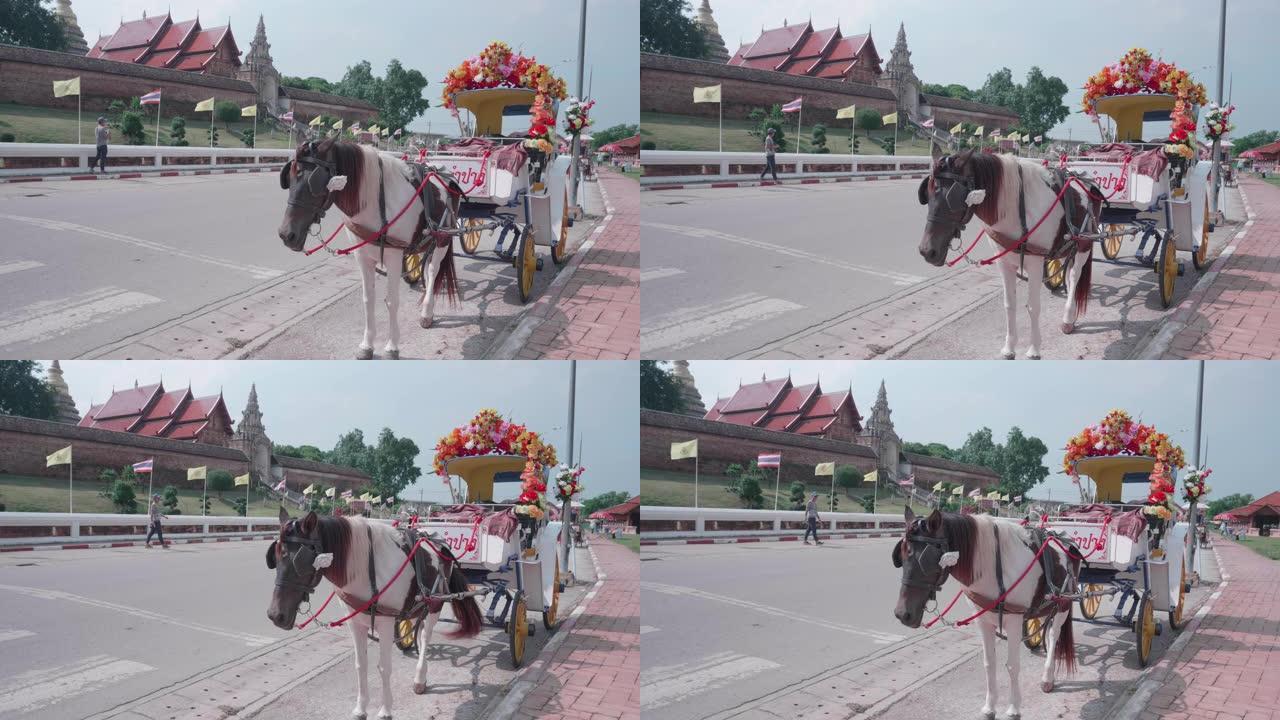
[313, 164]
[954, 197]
[931, 543]
[287, 539]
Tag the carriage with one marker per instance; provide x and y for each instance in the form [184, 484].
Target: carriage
[1124, 555]
[515, 557]
[522, 193]
[1168, 212]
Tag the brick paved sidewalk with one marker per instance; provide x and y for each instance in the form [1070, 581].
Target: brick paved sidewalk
[1236, 314]
[596, 315]
[1228, 668]
[595, 672]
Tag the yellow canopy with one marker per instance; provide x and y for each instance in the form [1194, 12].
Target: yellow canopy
[487, 105]
[1128, 111]
[479, 471]
[1108, 473]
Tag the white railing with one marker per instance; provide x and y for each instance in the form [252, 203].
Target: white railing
[660, 522]
[35, 528]
[685, 166]
[33, 159]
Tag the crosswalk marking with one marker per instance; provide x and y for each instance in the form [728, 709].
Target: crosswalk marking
[51, 318]
[646, 629]
[12, 634]
[651, 274]
[691, 324]
[19, 266]
[257, 271]
[668, 684]
[37, 689]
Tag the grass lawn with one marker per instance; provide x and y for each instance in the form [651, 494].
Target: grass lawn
[28, 494]
[658, 487]
[630, 541]
[50, 125]
[1265, 546]
[633, 173]
[1273, 179]
[685, 132]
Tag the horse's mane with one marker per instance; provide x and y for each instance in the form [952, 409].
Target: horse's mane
[349, 160]
[335, 537]
[961, 532]
[987, 171]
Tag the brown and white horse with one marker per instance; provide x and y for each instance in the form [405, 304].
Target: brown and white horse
[986, 556]
[1010, 195]
[343, 550]
[368, 187]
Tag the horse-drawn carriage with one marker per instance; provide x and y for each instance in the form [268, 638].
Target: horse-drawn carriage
[515, 556]
[1124, 555]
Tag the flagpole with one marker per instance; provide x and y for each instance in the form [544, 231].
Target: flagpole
[158, 102]
[777, 485]
[151, 479]
[254, 147]
[213, 105]
[71, 481]
[875, 486]
[695, 482]
[204, 499]
[833, 487]
[79, 120]
[721, 106]
[799, 117]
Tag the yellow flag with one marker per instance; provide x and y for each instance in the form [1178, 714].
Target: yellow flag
[956, 129]
[825, 469]
[377, 498]
[709, 94]
[308, 490]
[979, 131]
[871, 477]
[315, 121]
[993, 495]
[197, 473]
[1005, 497]
[250, 111]
[383, 132]
[366, 497]
[846, 113]
[63, 88]
[329, 493]
[890, 119]
[337, 125]
[958, 491]
[62, 457]
[205, 105]
[242, 479]
[937, 488]
[374, 129]
[682, 450]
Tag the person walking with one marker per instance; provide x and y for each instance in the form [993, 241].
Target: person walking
[156, 517]
[770, 147]
[811, 519]
[103, 134]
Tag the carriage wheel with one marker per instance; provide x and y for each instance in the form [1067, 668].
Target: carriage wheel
[1175, 615]
[1090, 603]
[471, 238]
[549, 619]
[1167, 269]
[518, 629]
[1200, 258]
[406, 638]
[1144, 626]
[526, 265]
[411, 269]
[560, 251]
[1055, 274]
[1033, 632]
[1111, 245]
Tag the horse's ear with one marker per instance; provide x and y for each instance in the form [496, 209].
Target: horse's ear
[309, 522]
[285, 175]
[908, 515]
[271, 556]
[284, 515]
[897, 554]
[923, 192]
[934, 521]
[937, 152]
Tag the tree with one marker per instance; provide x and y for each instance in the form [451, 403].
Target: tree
[848, 477]
[602, 501]
[1000, 90]
[123, 497]
[316, 84]
[170, 501]
[178, 131]
[795, 494]
[360, 83]
[954, 90]
[658, 388]
[1022, 466]
[220, 481]
[745, 483]
[350, 451]
[1225, 503]
[819, 144]
[246, 137]
[868, 119]
[226, 111]
[393, 459]
[890, 145]
[306, 452]
[868, 502]
[23, 392]
[762, 121]
[833, 502]
[1040, 103]
[614, 134]
[30, 24]
[402, 100]
[241, 506]
[980, 449]
[1254, 139]
[204, 502]
[666, 29]
[131, 127]
[213, 135]
[937, 450]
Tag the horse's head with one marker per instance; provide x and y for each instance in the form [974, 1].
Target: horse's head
[925, 559]
[313, 181]
[957, 184]
[298, 557]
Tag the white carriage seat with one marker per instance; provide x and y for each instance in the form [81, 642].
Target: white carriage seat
[1124, 538]
[477, 536]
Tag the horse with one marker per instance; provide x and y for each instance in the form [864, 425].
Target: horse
[986, 556]
[1008, 194]
[344, 550]
[366, 186]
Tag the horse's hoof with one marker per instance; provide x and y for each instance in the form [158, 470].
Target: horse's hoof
[1046, 686]
[1068, 328]
[425, 323]
[359, 716]
[1007, 355]
[1013, 716]
[393, 354]
[989, 714]
[419, 688]
[364, 354]
[1033, 356]
[384, 715]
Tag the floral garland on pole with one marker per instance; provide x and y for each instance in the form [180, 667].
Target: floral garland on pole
[1193, 485]
[498, 66]
[1217, 121]
[567, 482]
[577, 116]
[1137, 73]
[1118, 434]
[489, 433]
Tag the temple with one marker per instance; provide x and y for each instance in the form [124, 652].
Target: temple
[806, 51]
[150, 411]
[781, 406]
[162, 43]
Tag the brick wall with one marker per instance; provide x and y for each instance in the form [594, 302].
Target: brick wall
[299, 478]
[305, 110]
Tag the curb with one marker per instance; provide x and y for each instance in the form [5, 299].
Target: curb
[131, 543]
[715, 184]
[504, 705]
[135, 175]
[763, 538]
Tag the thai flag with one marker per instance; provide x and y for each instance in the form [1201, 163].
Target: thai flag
[793, 106]
[347, 494]
[977, 492]
[909, 481]
[280, 486]
[151, 98]
[397, 132]
[769, 460]
[143, 467]
[927, 123]
[287, 117]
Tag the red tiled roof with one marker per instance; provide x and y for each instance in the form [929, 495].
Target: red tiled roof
[175, 36]
[160, 42]
[1271, 502]
[149, 410]
[779, 405]
[622, 509]
[161, 59]
[802, 50]
[207, 40]
[194, 62]
[131, 401]
[137, 33]
[796, 399]
[756, 396]
[778, 40]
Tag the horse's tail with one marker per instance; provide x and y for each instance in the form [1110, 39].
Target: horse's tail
[447, 276]
[466, 610]
[1083, 285]
[1064, 651]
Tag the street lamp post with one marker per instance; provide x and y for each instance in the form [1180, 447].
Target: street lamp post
[1217, 144]
[566, 511]
[577, 139]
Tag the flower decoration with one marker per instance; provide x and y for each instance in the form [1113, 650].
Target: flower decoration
[498, 66]
[1217, 121]
[489, 433]
[577, 116]
[1137, 73]
[1193, 484]
[568, 483]
[1118, 434]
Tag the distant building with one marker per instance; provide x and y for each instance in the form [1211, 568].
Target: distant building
[781, 406]
[689, 394]
[807, 51]
[67, 412]
[160, 42]
[71, 28]
[716, 50]
[152, 411]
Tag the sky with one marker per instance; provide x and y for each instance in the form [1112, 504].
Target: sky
[312, 403]
[324, 37]
[943, 401]
[963, 42]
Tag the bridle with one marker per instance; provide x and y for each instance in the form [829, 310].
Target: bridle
[319, 197]
[952, 207]
[931, 544]
[304, 546]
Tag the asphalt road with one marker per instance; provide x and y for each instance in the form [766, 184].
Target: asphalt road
[781, 629]
[88, 631]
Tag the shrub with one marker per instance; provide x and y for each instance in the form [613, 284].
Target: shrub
[107, 476]
[648, 145]
[796, 493]
[131, 127]
[220, 481]
[239, 504]
[848, 477]
[123, 497]
[170, 501]
[7, 137]
[178, 131]
[246, 137]
[820, 139]
[227, 111]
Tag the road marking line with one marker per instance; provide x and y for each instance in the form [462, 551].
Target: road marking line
[14, 634]
[37, 689]
[46, 594]
[669, 684]
[879, 638]
[658, 273]
[50, 318]
[688, 325]
[257, 271]
[897, 278]
[644, 629]
[19, 266]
